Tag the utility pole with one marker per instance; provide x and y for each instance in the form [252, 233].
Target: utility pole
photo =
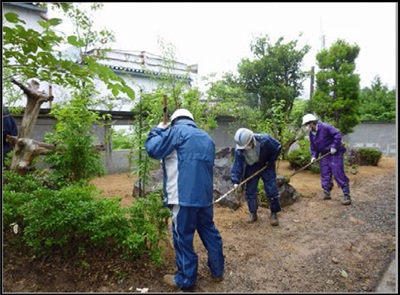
[312, 81]
[322, 35]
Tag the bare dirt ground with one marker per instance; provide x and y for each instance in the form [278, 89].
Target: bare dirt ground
[319, 246]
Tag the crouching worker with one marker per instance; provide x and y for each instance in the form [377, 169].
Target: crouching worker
[252, 153]
[188, 154]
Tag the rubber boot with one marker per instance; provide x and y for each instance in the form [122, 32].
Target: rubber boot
[253, 217]
[274, 219]
[326, 195]
[346, 199]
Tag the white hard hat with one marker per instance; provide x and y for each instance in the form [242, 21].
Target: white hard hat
[181, 113]
[309, 118]
[243, 136]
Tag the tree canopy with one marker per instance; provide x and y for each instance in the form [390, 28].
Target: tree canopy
[378, 102]
[337, 95]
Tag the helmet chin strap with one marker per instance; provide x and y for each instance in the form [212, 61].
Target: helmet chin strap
[250, 145]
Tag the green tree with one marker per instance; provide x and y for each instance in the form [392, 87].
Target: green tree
[228, 98]
[31, 54]
[274, 75]
[77, 159]
[378, 102]
[337, 96]
[266, 88]
[150, 109]
[77, 218]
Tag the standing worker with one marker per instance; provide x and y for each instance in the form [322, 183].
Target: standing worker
[325, 138]
[188, 154]
[252, 153]
[9, 128]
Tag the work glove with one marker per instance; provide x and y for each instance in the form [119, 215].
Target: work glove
[236, 186]
[333, 150]
[313, 159]
[163, 126]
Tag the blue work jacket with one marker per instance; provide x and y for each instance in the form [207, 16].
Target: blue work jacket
[187, 154]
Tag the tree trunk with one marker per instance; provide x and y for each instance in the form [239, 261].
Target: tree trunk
[26, 149]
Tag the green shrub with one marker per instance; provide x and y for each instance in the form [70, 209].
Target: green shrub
[369, 156]
[19, 190]
[149, 217]
[122, 139]
[299, 158]
[57, 219]
[363, 157]
[76, 158]
[73, 219]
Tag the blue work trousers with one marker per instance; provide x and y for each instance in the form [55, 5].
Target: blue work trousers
[185, 221]
[268, 177]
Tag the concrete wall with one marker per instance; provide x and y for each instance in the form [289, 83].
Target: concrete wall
[45, 125]
[379, 135]
[223, 134]
[117, 161]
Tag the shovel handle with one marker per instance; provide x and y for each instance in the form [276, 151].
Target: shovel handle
[165, 113]
[309, 164]
[243, 182]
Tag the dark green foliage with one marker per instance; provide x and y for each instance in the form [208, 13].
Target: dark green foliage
[149, 224]
[378, 102]
[299, 158]
[364, 156]
[19, 190]
[122, 139]
[274, 79]
[337, 96]
[58, 210]
[75, 159]
[74, 219]
[370, 156]
[56, 220]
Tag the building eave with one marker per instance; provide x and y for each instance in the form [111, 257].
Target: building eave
[141, 73]
[26, 5]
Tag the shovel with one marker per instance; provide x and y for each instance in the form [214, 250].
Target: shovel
[240, 184]
[309, 164]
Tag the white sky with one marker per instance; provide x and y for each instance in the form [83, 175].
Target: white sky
[216, 36]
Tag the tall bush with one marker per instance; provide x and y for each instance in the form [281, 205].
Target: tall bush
[75, 159]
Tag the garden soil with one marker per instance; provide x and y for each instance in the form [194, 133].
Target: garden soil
[319, 245]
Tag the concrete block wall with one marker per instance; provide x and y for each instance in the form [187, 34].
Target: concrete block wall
[379, 135]
[118, 161]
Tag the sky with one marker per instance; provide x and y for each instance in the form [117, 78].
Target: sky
[217, 35]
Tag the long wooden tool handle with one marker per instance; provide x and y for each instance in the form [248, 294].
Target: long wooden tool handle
[165, 111]
[301, 169]
[243, 182]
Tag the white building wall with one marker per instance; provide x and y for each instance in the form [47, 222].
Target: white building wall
[130, 65]
[30, 16]
[140, 70]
